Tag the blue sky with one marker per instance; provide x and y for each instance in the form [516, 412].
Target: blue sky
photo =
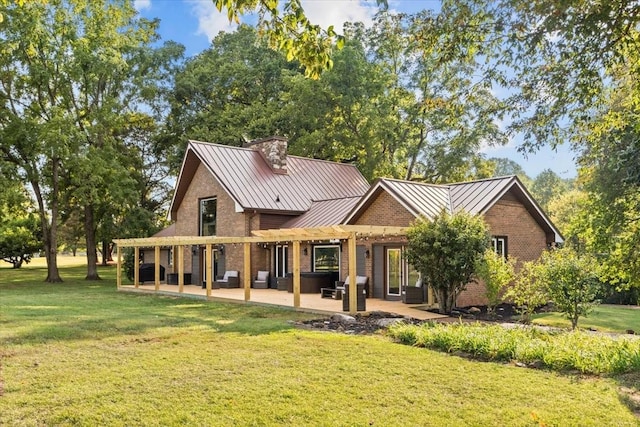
[194, 23]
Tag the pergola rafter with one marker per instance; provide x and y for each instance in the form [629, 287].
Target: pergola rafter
[349, 233]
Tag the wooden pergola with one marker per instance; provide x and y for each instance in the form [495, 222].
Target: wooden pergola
[349, 233]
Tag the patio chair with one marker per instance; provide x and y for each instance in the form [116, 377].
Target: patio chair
[262, 280]
[229, 280]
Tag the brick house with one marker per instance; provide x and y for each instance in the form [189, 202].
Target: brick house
[233, 191]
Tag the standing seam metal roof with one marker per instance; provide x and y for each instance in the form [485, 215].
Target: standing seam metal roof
[249, 178]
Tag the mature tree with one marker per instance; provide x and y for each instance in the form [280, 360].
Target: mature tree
[446, 251]
[230, 93]
[571, 282]
[548, 186]
[288, 29]
[504, 166]
[73, 71]
[401, 110]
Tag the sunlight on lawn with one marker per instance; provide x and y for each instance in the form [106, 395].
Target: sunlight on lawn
[41, 262]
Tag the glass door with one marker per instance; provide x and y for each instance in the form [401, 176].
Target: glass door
[214, 261]
[281, 261]
[394, 272]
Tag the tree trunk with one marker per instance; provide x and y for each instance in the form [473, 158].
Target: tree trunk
[49, 237]
[105, 253]
[92, 254]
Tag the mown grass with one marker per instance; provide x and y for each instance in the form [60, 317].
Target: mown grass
[80, 353]
[606, 318]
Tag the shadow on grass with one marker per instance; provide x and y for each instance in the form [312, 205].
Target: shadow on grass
[629, 391]
[95, 310]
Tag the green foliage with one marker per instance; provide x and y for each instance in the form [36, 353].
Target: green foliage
[560, 351]
[20, 232]
[571, 282]
[289, 30]
[496, 272]
[528, 291]
[548, 186]
[446, 251]
[75, 73]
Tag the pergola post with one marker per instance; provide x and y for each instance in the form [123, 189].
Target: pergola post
[353, 285]
[208, 264]
[247, 271]
[156, 264]
[136, 266]
[296, 273]
[118, 267]
[180, 268]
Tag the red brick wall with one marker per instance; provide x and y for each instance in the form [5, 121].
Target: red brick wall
[230, 222]
[508, 217]
[526, 240]
[385, 210]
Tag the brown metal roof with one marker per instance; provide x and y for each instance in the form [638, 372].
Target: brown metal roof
[250, 181]
[477, 196]
[426, 200]
[324, 213]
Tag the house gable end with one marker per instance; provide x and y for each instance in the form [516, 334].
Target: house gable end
[190, 165]
[384, 209]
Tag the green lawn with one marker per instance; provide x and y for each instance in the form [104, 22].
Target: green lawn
[606, 318]
[80, 353]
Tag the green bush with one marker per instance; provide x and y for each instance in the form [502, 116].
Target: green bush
[571, 282]
[560, 351]
[528, 292]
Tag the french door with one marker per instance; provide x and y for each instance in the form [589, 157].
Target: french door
[394, 274]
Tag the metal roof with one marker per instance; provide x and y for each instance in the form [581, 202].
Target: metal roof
[477, 196]
[426, 200]
[323, 213]
[251, 182]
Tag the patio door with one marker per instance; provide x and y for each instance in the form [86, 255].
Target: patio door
[214, 267]
[393, 276]
[281, 261]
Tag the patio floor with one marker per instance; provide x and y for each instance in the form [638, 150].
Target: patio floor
[308, 302]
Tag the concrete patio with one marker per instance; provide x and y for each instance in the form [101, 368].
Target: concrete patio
[312, 303]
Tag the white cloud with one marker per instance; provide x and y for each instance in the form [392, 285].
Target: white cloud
[141, 4]
[210, 21]
[336, 12]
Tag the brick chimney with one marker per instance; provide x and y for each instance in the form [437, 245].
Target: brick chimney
[274, 150]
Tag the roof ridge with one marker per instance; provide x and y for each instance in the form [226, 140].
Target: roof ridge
[320, 160]
[193, 141]
[494, 178]
[405, 181]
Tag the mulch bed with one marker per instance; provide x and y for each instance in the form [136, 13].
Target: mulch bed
[375, 321]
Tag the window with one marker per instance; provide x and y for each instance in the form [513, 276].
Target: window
[499, 244]
[326, 258]
[170, 255]
[208, 215]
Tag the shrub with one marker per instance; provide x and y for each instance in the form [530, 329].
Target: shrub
[528, 292]
[496, 272]
[445, 251]
[571, 282]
